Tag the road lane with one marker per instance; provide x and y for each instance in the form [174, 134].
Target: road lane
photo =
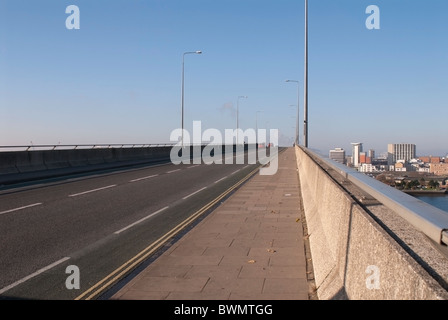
[193, 193]
[66, 226]
[21, 208]
[141, 220]
[38, 272]
[90, 191]
[144, 178]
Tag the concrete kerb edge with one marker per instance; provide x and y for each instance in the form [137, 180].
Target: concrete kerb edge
[312, 293]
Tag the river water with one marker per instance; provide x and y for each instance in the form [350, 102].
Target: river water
[439, 201]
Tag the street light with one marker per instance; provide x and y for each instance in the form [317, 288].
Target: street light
[298, 102]
[237, 115]
[268, 138]
[305, 106]
[256, 126]
[183, 65]
[295, 127]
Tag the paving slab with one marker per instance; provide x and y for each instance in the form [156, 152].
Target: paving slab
[250, 248]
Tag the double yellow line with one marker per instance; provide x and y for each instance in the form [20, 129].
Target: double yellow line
[131, 264]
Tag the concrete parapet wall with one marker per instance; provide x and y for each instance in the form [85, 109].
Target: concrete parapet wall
[353, 256]
[8, 163]
[21, 166]
[30, 165]
[55, 159]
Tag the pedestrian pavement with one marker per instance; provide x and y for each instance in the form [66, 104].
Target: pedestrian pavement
[251, 247]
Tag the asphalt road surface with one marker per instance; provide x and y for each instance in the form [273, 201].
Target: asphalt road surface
[65, 239]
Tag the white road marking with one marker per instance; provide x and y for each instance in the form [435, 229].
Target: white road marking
[191, 194]
[81, 193]
[235, 171]
[193, 166]
[21, 208]
[173, 171]
[33, 275]
[144, 178]
[141, 220]
[220, 179]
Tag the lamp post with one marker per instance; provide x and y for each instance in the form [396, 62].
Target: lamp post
[256, 126]
[183, 67]
[305, 106]
[298, 102]
[295, 127]
[268, 138]
[237, 115]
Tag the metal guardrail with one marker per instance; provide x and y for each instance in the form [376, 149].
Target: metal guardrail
[430, 220]
[97, 146]
[81, 146]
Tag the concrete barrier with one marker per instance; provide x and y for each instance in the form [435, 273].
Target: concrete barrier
[96, 156]
[162, 153]
[355, 254]
[8, 163]
[56, 159]
[29, 161]
[108, 155]
[22, 166]
[79, 157]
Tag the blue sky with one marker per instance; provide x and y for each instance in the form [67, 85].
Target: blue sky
[118, 78]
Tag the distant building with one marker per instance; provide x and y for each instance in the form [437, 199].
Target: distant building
[436, 160]
[348, 161]
[338, 154]
[418, 165]
[423, 169]
[380, 164]
[356, 150]
[401, 151]
[400, 166]
[364, 158]
[368, 167]
[439, 169]
[430, 159]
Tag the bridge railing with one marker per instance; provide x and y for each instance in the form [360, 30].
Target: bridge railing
[80, 146]
[96, 146]
[428, 219]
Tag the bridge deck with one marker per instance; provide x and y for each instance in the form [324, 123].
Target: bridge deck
[251, 247]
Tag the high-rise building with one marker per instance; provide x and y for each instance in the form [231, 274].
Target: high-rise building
[400, 151]
[362, 157]
[338, 154]
[356, 150]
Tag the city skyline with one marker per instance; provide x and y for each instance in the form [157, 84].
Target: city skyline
[117, 79]
[383, 153]
[399, 158]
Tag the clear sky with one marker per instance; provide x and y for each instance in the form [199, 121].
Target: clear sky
[118, 78]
